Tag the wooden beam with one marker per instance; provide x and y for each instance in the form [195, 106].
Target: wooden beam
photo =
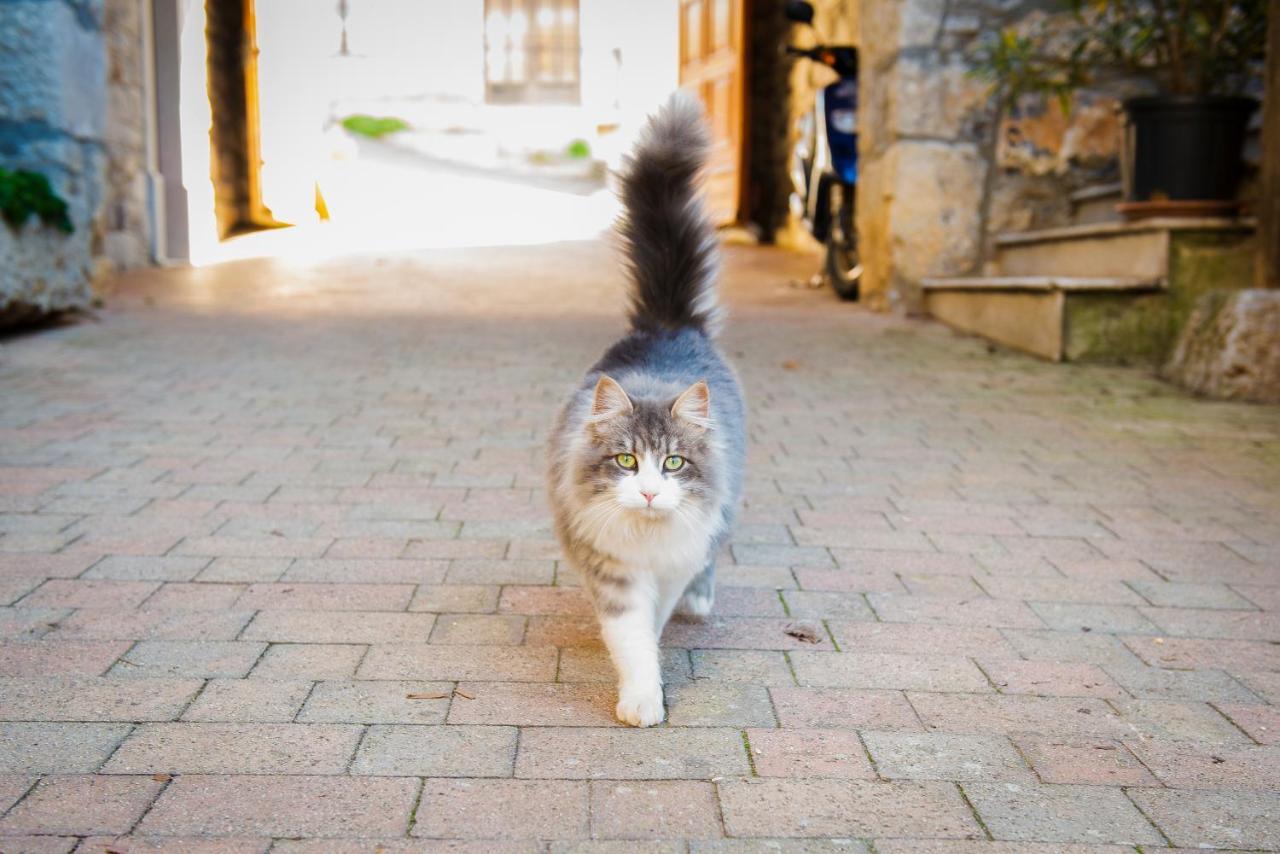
[1269, 189]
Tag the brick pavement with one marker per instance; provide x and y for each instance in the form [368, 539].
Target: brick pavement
[275, 572]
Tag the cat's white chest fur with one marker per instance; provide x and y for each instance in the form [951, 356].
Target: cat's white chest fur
[670, 550]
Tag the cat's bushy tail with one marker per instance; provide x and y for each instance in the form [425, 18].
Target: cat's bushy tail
[670, 244]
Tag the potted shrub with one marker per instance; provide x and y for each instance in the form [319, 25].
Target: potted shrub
[1182, 151]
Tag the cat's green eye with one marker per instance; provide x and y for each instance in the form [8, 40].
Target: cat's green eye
[627, 461]
[673, 463]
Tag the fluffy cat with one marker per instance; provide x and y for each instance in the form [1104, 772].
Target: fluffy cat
[646, 459]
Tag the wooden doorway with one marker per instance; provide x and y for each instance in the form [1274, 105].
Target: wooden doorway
[712, 63]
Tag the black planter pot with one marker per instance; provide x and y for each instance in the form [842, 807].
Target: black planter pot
[1184, 147]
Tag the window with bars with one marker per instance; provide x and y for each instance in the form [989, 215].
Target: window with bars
[531, 52]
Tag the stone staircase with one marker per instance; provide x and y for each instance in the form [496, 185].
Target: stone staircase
[1099, 290]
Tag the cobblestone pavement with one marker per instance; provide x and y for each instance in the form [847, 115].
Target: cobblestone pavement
[277, 573]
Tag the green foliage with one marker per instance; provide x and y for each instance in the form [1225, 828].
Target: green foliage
[579, 149]
[373, 126]
[23, 194]
[1188, 47]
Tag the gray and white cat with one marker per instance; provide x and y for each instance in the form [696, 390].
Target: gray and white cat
[646, 459]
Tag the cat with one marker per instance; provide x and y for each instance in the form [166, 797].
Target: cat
[646, 459]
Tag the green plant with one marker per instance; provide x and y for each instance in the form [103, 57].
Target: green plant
[374, 126]
[1187, 47]
[24, 194]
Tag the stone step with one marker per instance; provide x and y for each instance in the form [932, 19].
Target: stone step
[1042, 283]
[1096, 203]
[1102, 249]
[1029, 313]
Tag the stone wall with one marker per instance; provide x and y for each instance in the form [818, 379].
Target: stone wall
[125, 218]
[941, 171]
[52, 116]
[71, 108]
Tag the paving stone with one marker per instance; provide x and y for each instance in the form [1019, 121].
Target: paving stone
[959, 611]
[1068, 617]
[578, 664]
[230, 748]
[654, 809]
[858, 669]
[1244, 820]
[38, 844]
[1084, 761]
[332, 627]
[809, 753]
[402, 846]
[759, 667]
[849, 580]
[81, 805]
[1051, 679]
[947, 846]
[244, 569]
[943, 756]
[183, 596]
[978, 713]
[503, 809]
[12, 788]
[476, 629]
[821, 605]
[205, 659]
[437, 751]
[366, 702]
[1180, 765]
[1262, 723]
[500, 572]
[459, 598]
[819, 708]
[1214, 623]
[1207, 685]
[326, 597]
[701, 703]
[47, 658]
[789, 808]
[185, 844]
[248, 700]
[1070, 647]
[1168, 594]
[694, 753]
[1054, 813]
[30, 623]
[291, 661]
[441, 661]
[920, 639]
[83, 698]
[57, 748]
[526, 704]
[70, 593]
[142, 568]
[324, 806]
[155, 625]
[1195, 653]
[1177, 720]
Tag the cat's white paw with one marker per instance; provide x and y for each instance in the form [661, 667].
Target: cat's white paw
[641, 706]
[696, 605]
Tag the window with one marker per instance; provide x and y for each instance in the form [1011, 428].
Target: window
[531, 51]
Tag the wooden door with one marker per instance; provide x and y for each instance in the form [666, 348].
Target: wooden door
[712, 67]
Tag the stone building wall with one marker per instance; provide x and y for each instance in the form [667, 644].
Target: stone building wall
[52, 116]
[125, 219]
[940, 173]
[71, 109]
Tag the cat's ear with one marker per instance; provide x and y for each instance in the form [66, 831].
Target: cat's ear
[610, 400]
[693, 406]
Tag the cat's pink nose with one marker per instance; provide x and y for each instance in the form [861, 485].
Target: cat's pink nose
[649, 496]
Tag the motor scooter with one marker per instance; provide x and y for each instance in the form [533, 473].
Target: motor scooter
[824, 162]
